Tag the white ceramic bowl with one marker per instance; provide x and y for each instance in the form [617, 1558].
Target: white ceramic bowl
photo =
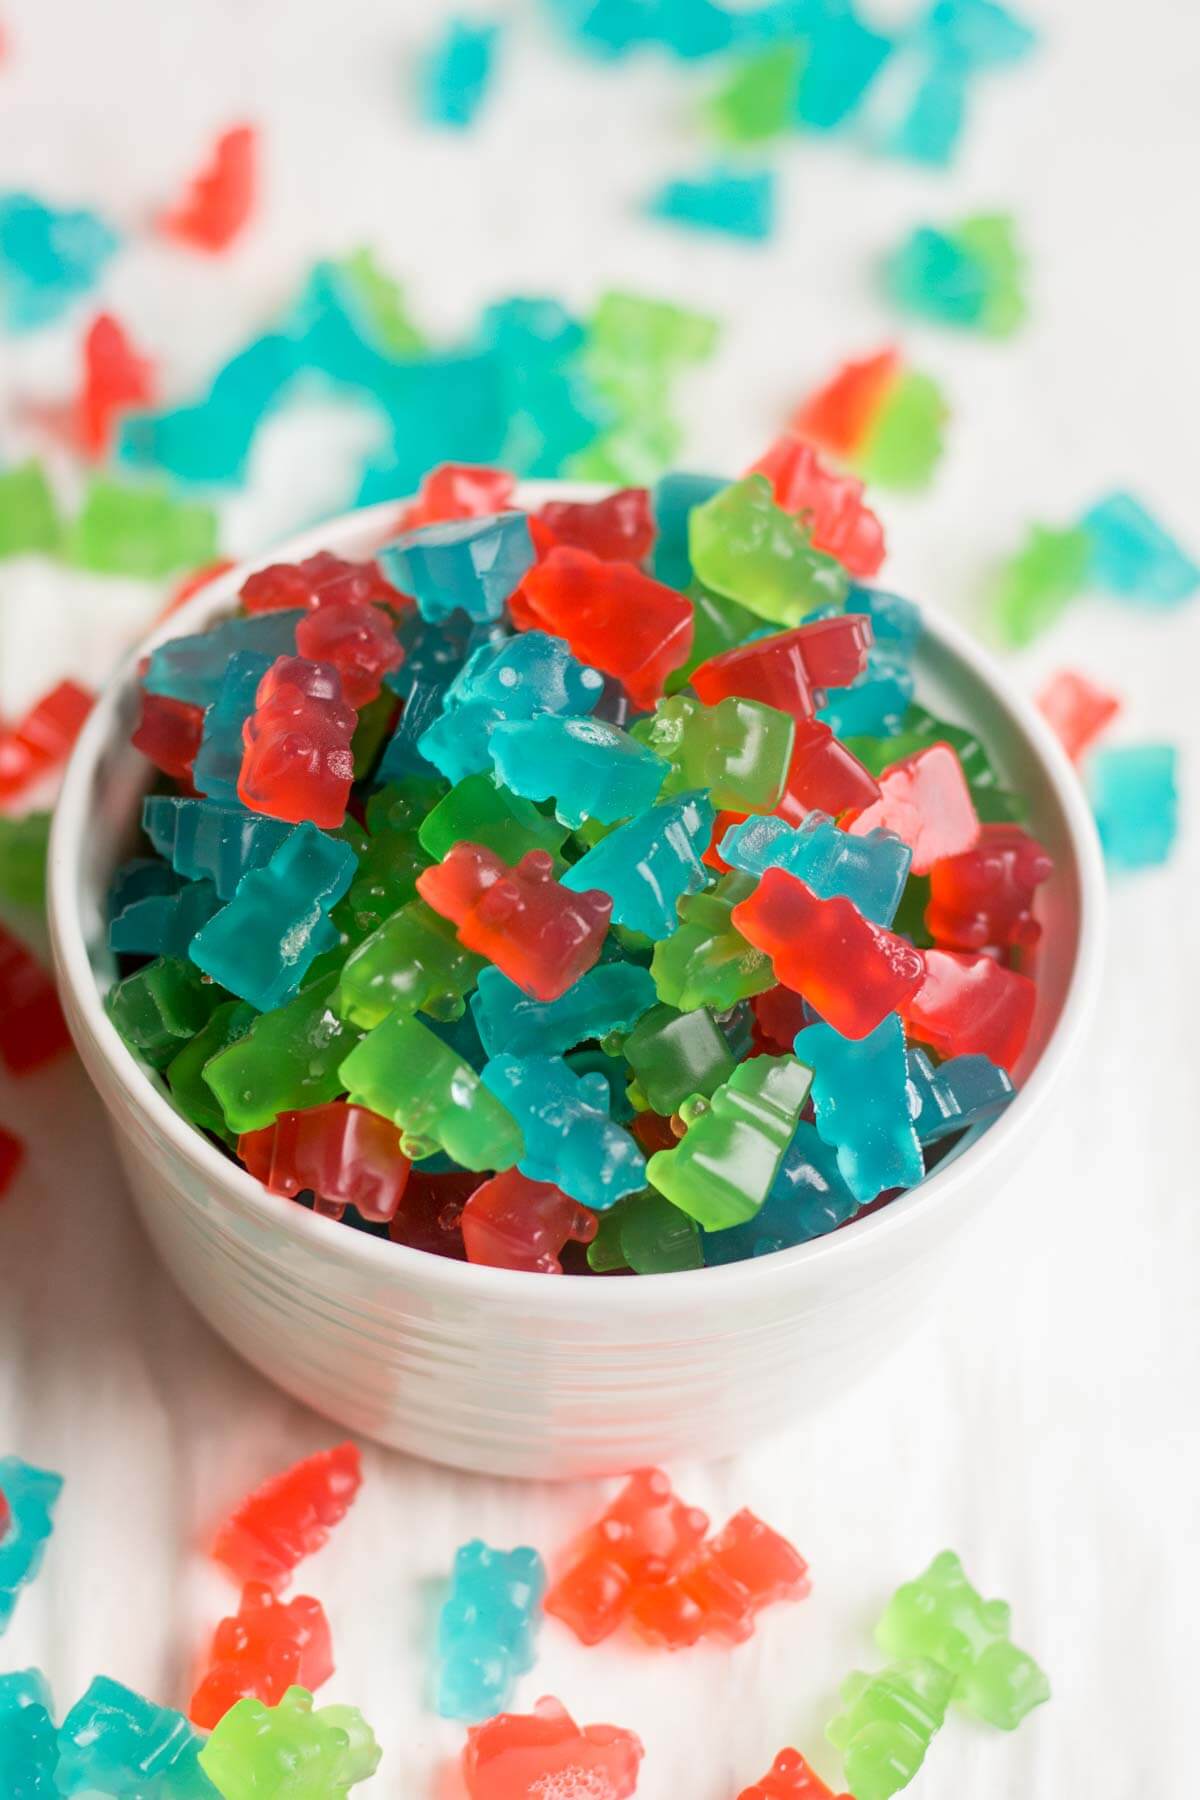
[520, 1374]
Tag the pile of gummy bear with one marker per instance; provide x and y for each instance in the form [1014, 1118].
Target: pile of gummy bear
[587, 877]
[647, 1563]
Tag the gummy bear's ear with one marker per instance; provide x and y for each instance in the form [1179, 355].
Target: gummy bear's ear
[997, 1615]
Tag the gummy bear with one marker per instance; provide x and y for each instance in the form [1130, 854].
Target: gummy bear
[758, 100]
[163, 924]
[860, 1098]
[903, 441]
[742, 544]
[1133, 557]
[643, 1538]
[838, 415]
[185, 1072]
[528, 1756]
[289, 1059]
[569, 1138]
[738, 203]
[217, 767]
[612, 616]
[356, 639]
[1078, 710]
[707, 962]
[984, 896]
[925, 800]
[722, 1170]
[831, 505]
[41, 740]
[610, 997]
[824, 776]
[32, 1028]
[672, 501]
[1134, 797]
[402, 1070]
[487, 1628]
[739, 751]
[455, 73]
[965, 1091]
[887, 1724]
[591, 770]
[289, 1517]
[298, 763]
[413, 962]
[343, 1154]
[168, 733]
[161, 1007]
[220, 199]
[971, 1004]
[478, 811]
[192, 669]
[47, 259]
[649, 864]
[782, 670]
[28, 1743]
[113, 1742]
[29, 1497]
[1037, 584]
[115, 378]
[672, 1055]
[870, 871]
[289, 1751]
[269, 1646]
[618, 528]
[470, 564]
[807, 1198]
[511, 1222]
[205, 841]
[459, 491]
[429, 1216]
[722, 1589]
[790, 1778]
[517, 678]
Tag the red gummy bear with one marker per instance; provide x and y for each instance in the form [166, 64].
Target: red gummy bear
[220, 198]
[824, 776]
[540, 934]
[320, 580]
[543, 1754]
[619, 528]
[612, 616]
[115, 378]
[726, 1585]
[42, 740]
[347, 1156]
[839, 415]
[779, 1015]
[511, 1222]
[645, 1537]
[782, 671]
[168, 733]
[653, 1132]
[925, 800]
[852, 971]
[297, 762]
[289, 1517]
[360, 642]
[429, 1217]
[32, 1028]
[12, 1155]
[1077, 710]
[458, 491]
[839, 520]
[268, 1646]
[985, 895]
[790, 1778]
[971, 1005]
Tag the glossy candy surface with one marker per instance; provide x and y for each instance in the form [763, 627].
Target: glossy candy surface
[487, 1629]
[790, 1778]
[297, 762]
[290, 1751]
[525, 1756]
[612, 616]
[744, 545]
[590, 769]
[719, 1593]
[642, 1538]
[650, 864]
[511, 1222]
[887, 1724]
[984, 896]
[30, 1497]
[722, 1170]
[28, 1742]
[289, 1517]
[569, 1137]
[268, 1646]
[219, 200]
[343, 1154]
[114, 1742]
[860, 1097]
[1136, 802]
[403, 1071]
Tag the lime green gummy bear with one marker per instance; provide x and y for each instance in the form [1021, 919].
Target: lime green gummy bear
[721, 1172]
[887, 1724]
[941, 1616]
[126, 530]
[402, 1070]
[476, 811]
[1040, 581]
[413, 962]
[28, 514]
[991, 239]
[745, 546]
[758, 101]
[903, 444]
[289, 1751]
[739, 750]
[161, 1007]
[288, 1060]
[707, 961]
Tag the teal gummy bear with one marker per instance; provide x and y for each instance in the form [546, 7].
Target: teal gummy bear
[209, 440]
[611, 28]
[860, 1097]
[875, 704]
[870, 870]
[32, 1495]
[1134, 798]
[48, 259]
[518, 678]
[671, 502]
[807, 1199]
[730, 201]
[193, 668]
[114, 1742]
[843, 58]
[551, 411]
[610, 997]
[936, 277]
[205, 841]
[895, 622]
[262, 943]
[433, 656]
[1134, 557]
[136, 880]
[28, 1742]
[650, 864]
[964, 1091]
[569, 1137]
[163, 924]
[590, 769]
[218, 761]
[982, 34]
[455, 73]
[468, 564]
[487, 1629]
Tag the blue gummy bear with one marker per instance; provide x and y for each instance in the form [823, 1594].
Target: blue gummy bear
[472, 564]
[550, 408]
[569, 1137]
[896, 622]
[875, 704]
[1134, 557]
[691, 29]
[648, 865]
[218, 761]
[733, 202]
[209, 441]
[870, 870]
[28, 1741]
[204, 841]
[138, 879]
[610, 997]
[948, 1098]
[672, 501]
[614, 1070]
[517, 678]
[860, 1098]
[932, 275]
[31, 1495]
[982, 33]
[114, 1742]
[487, 1629]
[930, 129]
[262, 943]
[843, 57]
[807, 1199]
[47, 259]
[455, 73]
[193, 668]
[1136, 804]
[402, 755]
[590, 769]
[163, 924]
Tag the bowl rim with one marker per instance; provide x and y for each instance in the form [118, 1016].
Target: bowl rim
[359, 532]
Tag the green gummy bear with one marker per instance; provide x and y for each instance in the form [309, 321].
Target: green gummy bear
[707, 961]
[903, 443]
[288, 1060]
[28, 515]
[23, 844]
[887, 1724]
[162, 1006]
[1040, 581]
[185, 1072]
[604, 1253]
[739, 750]
[991, 239]
[909, 921]
[758, 101]
[124, 530]
[918, 730]
[656, 1238]
[476, 811]
[745, 546]
[386, 877]
[413, 962]
[633, 341]
[289, 1751]
[941, 1616]
[676, 1054]
[400, 1069]
[718, 624]
[375, 722]
[721, 1172]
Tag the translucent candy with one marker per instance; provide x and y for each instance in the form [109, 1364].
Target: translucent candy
[30, 1496]
[707, 961]
[870, 870]
[838, 415]
[903, 444]
[1077, 710]
[965, 1091]
[297, 762]
[267, 1647]
[733, 1576]
[673, 1055]
[161, 1007]
[984, 896]
[649, 864]
[569, 1138]
[807, 1198]
[41, 740]
[220, 199]
[519, 678]
[185, 1072]
[860, 1097]
[121, 530]
[518, 1755]
[29, 519]
[735, 202]
[969, 276]
[217, 767]
[471, 565]
[402, 1070]
[790, 1778]
[32, 1028]
[289, 1751]
[887, 1724]
[844, 57]
[1134, 796]
[840, 521]
[192, 669]
[759, 99]
[511, 1222]
[925, 800]
[1037, 584]
[722, 1170]
[971, 1005]
[742, 544]
[114, 1742]
[289, 1058]
[455, 73]
[341, 1154]
[28, 1742]
[618, 528]
[48, 259]
[205, 841]
[739, 751]
[477, 811]
[674, 497]
[114, 379]
[644, 1535]
[613, 617]
[289, 1517]
[1133, 557]
[590, 769]
[487, 1629]
[163, 924]
[609, 998]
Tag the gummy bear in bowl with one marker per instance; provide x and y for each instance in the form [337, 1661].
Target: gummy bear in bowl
[571, 883]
